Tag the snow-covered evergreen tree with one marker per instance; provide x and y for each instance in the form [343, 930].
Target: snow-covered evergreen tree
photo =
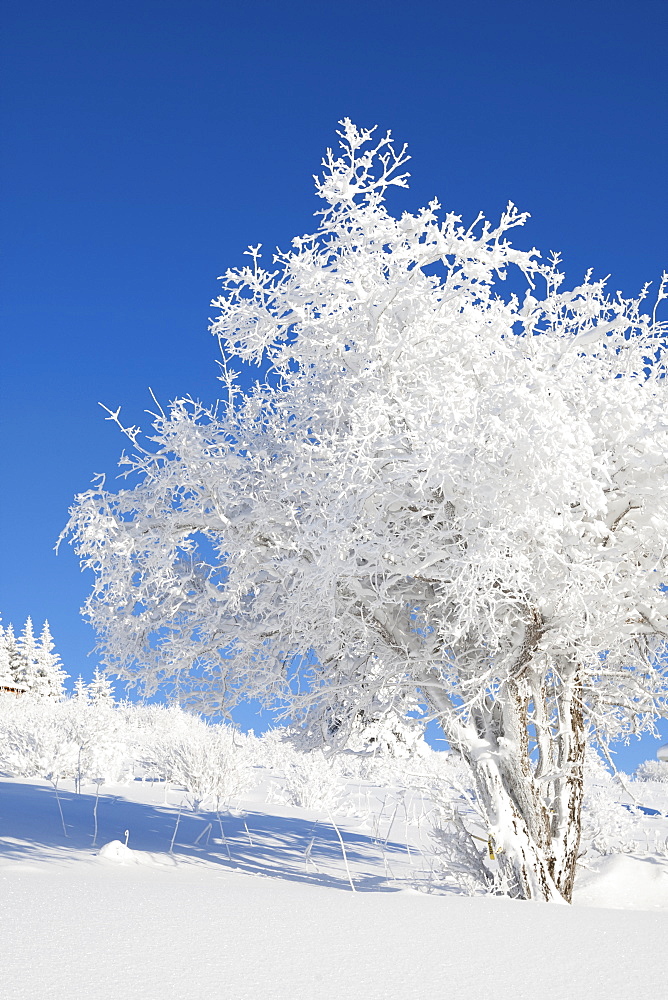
[28, 673]
[6, 677]
[50, 670]
[80, 692]
[100, 690]
[15, 658]
[30, 664]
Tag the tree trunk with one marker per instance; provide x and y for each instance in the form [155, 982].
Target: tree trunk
[524, 861]
[569, 785]
[533, 813]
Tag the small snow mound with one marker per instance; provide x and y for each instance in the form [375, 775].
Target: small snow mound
[623, 882]
[118, 852]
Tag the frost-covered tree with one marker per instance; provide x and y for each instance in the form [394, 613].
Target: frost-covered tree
[12, 656]
[27, 671]
[6, 676]
[100, 690]
[437, 487]
[33, 664]
[80, 691]
[50, 672]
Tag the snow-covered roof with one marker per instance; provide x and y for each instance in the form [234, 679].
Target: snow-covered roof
[9, 684]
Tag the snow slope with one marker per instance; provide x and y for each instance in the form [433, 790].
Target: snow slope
[277, 920]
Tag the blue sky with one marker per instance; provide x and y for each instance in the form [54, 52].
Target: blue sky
[148, 143]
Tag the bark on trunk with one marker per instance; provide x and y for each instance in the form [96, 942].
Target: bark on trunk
[523, 861]
[532, 809]
[569, 786]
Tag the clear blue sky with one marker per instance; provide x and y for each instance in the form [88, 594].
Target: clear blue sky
[148, 143]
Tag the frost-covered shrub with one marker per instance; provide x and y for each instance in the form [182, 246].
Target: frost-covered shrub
[461, 854]
[313, 780]
[152, 731]
[460, 858]
[68, 739]
[608, 825]
[101, 735]
[100, 742]
[212, 764]
[35, 741]
[449, 770]
[274, 750]
[652, 770]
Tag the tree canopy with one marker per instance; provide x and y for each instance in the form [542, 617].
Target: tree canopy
[434, 488]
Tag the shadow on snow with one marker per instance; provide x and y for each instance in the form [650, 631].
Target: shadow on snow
[259, 843]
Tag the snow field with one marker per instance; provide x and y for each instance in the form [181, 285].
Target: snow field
[270, 923]
[141, 934]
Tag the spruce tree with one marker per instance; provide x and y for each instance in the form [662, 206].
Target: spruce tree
[50, 670]
[100, 689]
[26, 670]
[15, 658]
[80, 690]
[6, 679]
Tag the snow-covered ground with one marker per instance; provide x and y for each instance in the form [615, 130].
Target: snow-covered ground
[276, 919]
